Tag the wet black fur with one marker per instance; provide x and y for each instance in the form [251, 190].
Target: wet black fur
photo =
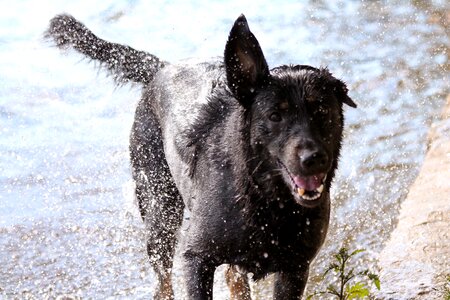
[229, 165]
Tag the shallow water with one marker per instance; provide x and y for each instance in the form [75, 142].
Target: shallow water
[67, 220]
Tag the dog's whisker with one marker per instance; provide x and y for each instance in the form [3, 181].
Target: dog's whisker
[251, 158]
[278, 173]
[256, 168]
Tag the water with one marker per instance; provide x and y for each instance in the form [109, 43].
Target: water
[67, 220]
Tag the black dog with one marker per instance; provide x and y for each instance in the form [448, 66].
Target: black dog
[253, 163]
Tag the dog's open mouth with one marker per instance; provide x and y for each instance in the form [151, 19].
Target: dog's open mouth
[306, 189]
[309, 187]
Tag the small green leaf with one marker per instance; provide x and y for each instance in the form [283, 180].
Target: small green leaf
[332, 290]
[356, 291]
[334, 267]
[357, 251]
[343, 253]
[375, 279]
[350, 273]
[338, 257]
[310, 297]
[364, 273]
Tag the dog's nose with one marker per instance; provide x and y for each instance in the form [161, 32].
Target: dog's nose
[314, 161]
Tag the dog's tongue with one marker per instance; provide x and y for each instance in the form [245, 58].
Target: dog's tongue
[309, 183]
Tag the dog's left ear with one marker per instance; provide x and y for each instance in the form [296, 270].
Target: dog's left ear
[245, 64]
[341, 92]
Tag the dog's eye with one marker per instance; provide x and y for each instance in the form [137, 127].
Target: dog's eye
[275, 117]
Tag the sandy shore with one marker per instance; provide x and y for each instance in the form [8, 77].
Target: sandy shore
[416, 259]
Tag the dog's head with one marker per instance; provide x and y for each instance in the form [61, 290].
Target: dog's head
[295, 115]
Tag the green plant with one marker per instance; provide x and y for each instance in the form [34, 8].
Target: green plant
[347, 285]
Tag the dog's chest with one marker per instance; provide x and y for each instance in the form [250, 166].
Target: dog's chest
[281, 246]
[268, 250]
[264, 258]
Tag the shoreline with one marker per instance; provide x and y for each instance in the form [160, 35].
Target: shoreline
[416, 258]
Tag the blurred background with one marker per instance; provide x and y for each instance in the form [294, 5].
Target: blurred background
[68, 223]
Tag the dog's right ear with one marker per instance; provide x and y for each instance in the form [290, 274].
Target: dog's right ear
[245, 64]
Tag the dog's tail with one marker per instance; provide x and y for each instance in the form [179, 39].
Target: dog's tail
[124, 63]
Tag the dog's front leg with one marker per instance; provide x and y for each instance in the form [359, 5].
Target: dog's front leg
[290, 285]
[199, 277]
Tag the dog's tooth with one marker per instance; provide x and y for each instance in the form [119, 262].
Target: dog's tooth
[313, 197]
[320, 189]
[301, 191]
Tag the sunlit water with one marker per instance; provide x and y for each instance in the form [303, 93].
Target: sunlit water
[67, 220]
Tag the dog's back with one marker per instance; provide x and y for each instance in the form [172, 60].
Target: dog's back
[178, 91]
[176, 96]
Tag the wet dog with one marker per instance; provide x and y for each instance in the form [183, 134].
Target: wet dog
[250, 151]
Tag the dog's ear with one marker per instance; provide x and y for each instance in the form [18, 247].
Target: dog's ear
[341, 92]
[245, 64]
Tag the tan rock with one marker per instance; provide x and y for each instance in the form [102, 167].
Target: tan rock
[416, 258]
